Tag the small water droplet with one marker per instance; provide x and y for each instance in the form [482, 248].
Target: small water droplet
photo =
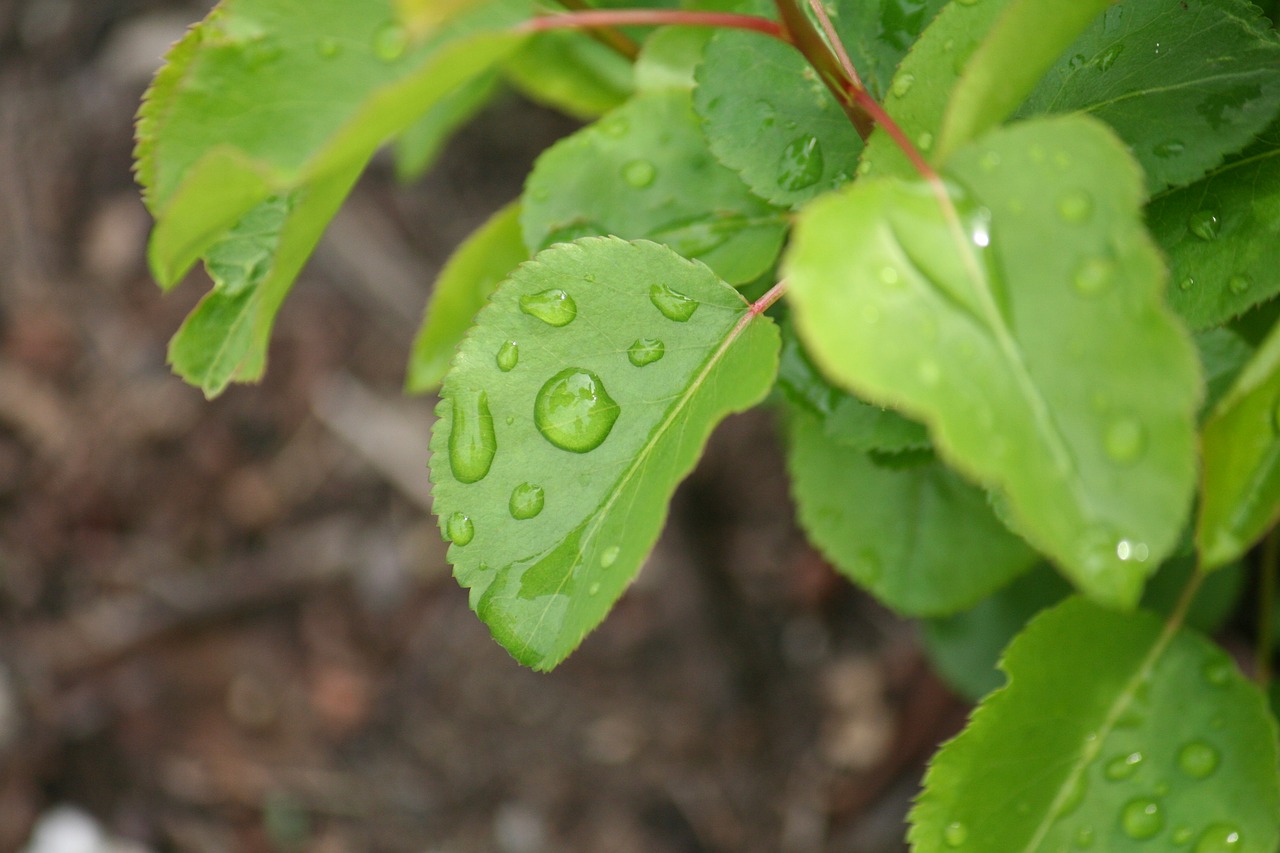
[1239, 283]
[864, 168]
[1084, 837]
[526, 501]
[1142, 819]
[1171, 148]
[1077, 61]
[328, 48]
[1131, 551]
[615, 126]
[1198, 759]
[460, 530]
[801, 163]
[1219, 838]
[1218, 671]
[646, 351]
[1109, 56]
[573, 410]
[1204, 224]
[1182, 835]
[594, 589]
[390, 42]
[639, 173]
[955, 834]
[553, 307]
[924, 141]
[902, 84]
[674, 306]
[1125, 440]
[1187, 283]
[508, 356]
[1123, 767]
[472, 441]
[1075, 206]
[990, 161]
[890, 276]
[609, 556]
[1094, 276]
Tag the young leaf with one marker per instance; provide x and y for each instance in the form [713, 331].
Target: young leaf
[669, 57]
[1093, 744]
[1183, 83]
[579, 400]
[1045, 367]
[1222, 236]
[917, 536]
[644, 171]
[1241, 496]
[461, 290]
[572, 72]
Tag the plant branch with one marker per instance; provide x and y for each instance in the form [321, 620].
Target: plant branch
[820, 55]
[771, 296]
[593, 18]
[1266, 607]
[833, 39]
[619, 42]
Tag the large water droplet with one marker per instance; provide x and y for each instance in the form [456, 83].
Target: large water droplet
[1094, 276]
[673, 305]
[460, 530]
[609, 556]
[1142, 819]
[902, 84]
[508, 356]
[1198, 759]
[1075, 206]
[573, 410]
[1171, 148]
[1204, 224]
[801, 163]
[1123, 767]
[526, 501]
[639, 173]
[472, 441]
[646, 351]
[553, 307]
[1109, 56]
[1125, 440]
[956, 834]
[1239, 283]
[390, 42]
[1219, 838]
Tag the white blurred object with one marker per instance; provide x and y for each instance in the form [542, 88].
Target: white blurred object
[67, 829]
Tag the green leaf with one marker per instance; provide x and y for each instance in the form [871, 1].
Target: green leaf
[1006, 66]
[460, 291]
[1183, 83]
[571, 72]
[918, 537]
[1241, 497]
[878, 34]
[1094, 744]
[644, 171]
[1223, 354]
[1222, 236]
[417, 148]
[669, 57]
[582, 396]
[1048, 370]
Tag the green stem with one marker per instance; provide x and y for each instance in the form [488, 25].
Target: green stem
[1266, 607]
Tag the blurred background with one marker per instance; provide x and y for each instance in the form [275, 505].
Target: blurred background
[230, 625]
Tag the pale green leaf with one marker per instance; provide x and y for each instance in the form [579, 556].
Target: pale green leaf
[417, 148]
[571, 72]
[669, 57]
[580, 399]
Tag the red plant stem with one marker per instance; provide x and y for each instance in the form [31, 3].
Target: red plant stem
[762, 304]
[834, 39]
[619, 42]
[896, 133]
[655, 18]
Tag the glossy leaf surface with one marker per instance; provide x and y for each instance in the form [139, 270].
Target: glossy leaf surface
[580, 399]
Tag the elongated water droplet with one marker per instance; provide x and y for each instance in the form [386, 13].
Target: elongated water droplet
[1198, 759]
[594, 589]
[526, 501]
[609, 556]
[646, 351]
[460, 529]
[1182, 835]
[1219, 838]
[1172, 148]
[801, 163]
[390, 41]
[1123, 766]
[1084, 837]
[1239, 283]
[573, 410]
[508, 356]
[1142, 819]
[1094, 276]
[1125, 440]
[472, 441]
[673, 305]
[956, 834]
[1109, 56]
[1075, 206]
[1074, 797]
[639, 173]
[1204, 224]
[902, 84]
[553, 307]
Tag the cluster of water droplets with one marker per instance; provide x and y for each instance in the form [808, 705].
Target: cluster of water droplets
[1206, 226]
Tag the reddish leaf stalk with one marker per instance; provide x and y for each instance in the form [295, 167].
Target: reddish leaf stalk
[654, 18]
[619, 42]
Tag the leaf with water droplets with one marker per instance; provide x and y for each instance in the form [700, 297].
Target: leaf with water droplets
[1241, 491]
[1093, 739]
[643, 171]
[1077, 408]
[462, 287]
[911, 532]
[592, 426]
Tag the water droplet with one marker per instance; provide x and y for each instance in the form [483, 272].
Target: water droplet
[508, 356]
[990, 161]
[646, 351]
[1204, 224]
[615, 126]
[328, 48]
[472, 442]
[674, 306]
[1198, 759]
[1219, 838]
[890, 276]
[1125, 440]
[1171, 148]
[1182, 835]
[1142, 819]
[1187, 283]
[1094, 276]
[765, 113]
[639, 173]
[553, 307]
[460, 530]
[1075, 206]
[594, 589]
[1084, 837]
[526, 501]
[955, 834]
[1109, 56]
[864, 168]
[1218, 671]
[573, 410]
[924, 141]
[1239, 283]
[1077, 61]
[609, 556]
[1131, 551]
[801, 163]
[1123, 767]
[902, 84]
[390, 42]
